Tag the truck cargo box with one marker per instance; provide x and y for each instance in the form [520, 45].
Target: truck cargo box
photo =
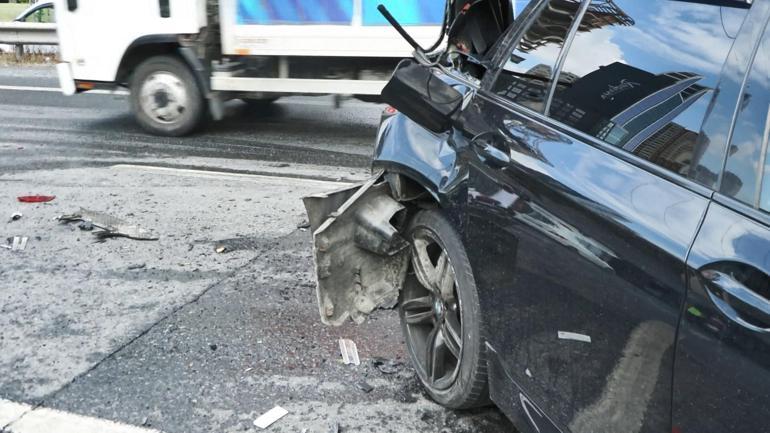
[341, 28]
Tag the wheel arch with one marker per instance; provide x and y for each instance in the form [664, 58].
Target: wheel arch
[149, 46]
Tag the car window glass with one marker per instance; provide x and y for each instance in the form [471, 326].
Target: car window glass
[639, 75]
[42, 15]
[743, 165]
[526, 75]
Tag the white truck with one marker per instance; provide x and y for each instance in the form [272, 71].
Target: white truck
[181, 59]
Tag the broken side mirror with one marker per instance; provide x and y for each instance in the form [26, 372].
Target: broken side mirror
[417, 92]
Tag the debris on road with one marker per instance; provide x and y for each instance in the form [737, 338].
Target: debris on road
[17, 243]
[365, 387]
[304, 225]
[268, 418]
[137, 266]
[349, 352]
[110, 226]
[335, 428]
[220, 249]
[36, 198]
[388, 366]
[86, 226]
[574, 336]
[15, 216]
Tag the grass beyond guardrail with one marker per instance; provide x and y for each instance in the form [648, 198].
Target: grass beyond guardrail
[9, 11]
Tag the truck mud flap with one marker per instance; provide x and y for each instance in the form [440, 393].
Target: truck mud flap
[361, 259]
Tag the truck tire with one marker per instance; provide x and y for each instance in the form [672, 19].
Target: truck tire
[165, 97]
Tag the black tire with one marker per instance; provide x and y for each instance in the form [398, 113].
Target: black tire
[466, 386]
[182, 119]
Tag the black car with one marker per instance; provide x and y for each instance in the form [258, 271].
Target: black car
[572, 211]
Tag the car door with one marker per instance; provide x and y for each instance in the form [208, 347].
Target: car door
[582, 204]
[722, 375]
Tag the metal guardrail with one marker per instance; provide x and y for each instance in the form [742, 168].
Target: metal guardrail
[20, 34]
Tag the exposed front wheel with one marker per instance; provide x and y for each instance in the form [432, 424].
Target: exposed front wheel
[440, 315]
[165, 97]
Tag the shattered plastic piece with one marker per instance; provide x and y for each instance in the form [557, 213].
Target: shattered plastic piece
[271, 416]
[304, 225]
[388, 366]
[360, 258]
[563, 335]
[365, 387]
[220, 249]
[137, 266]
[86, 226]
[349, 352]
[36, 198]
[528, 373]
[110, 226]
[19, 243]
[15, 216]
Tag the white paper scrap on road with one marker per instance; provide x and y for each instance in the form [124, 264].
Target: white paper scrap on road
[349, 352]
[271, 416]
[563, 335]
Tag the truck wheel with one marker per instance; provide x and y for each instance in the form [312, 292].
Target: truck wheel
[165, 97]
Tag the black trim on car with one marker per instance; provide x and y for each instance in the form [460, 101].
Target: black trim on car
[564, 52]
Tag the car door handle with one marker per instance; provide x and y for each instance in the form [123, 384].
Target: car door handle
[721, 287]
[492, 154]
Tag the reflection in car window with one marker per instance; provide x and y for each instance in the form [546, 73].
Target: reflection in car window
[527, 74]
[639, 76]
[742, 169]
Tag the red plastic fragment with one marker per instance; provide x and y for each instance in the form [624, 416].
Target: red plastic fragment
[36, 198]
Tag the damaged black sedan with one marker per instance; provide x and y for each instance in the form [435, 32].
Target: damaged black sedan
[571, 212]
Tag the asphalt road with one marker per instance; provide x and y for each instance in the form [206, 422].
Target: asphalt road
[170, 335]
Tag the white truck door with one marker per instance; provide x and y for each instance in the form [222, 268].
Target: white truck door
[95, 34]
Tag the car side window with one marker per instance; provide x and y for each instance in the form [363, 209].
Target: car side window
[747, 159]
[640, 75]
[527, 74]
[42, 15]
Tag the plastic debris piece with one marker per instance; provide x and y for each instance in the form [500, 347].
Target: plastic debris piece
[15, 216]
[335, 428]
[111, 227]
[349, 352]
[86, 226]
[137, 266]
[36, 198]
[268, 418]
[365, 387]
[528, 373]
[19, 243]
[220, 249]
[388, 366]
[563, 335]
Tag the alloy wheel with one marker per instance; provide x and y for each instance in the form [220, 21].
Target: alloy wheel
[431, 310]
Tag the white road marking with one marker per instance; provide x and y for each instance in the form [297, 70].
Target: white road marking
[10, 412]
[22, 418]
[58, 90]
[223, 174]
